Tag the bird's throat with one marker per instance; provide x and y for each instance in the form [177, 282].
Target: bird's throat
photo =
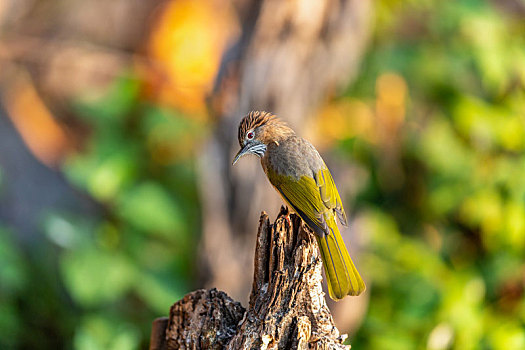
[258, 149]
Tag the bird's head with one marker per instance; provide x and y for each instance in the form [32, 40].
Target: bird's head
[257, 130]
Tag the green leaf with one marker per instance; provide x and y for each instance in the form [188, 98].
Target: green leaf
[98, 332]
[116, 104]
[12, 266]
[94, 277]
[150, 208]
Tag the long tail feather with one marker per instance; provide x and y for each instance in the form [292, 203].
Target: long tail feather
[341, 274]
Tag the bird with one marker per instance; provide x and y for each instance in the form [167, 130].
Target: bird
[298, 173]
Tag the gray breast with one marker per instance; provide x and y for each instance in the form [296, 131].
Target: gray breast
[294, 157]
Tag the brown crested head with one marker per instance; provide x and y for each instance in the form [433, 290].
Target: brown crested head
[265, 126]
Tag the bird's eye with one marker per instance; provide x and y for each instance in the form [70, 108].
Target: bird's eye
[250, 135]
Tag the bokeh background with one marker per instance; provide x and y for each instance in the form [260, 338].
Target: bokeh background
[118, 124]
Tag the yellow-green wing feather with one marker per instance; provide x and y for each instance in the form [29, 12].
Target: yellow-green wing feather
[301, 196]
[315, 201]
[329, 194]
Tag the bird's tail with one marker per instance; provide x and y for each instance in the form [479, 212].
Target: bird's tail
[341, 275]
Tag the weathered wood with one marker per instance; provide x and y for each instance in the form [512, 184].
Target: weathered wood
[158, 334]
[287, 308]
[204, 319]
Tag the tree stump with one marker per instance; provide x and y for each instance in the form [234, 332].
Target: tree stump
[287, 308]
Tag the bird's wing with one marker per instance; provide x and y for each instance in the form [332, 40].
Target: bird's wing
[313, 199]
[329, 194]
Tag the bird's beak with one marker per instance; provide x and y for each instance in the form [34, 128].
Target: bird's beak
[242, 152]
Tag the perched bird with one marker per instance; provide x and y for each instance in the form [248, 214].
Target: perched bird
[299, 174]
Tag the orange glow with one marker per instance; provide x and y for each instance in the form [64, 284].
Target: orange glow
[44, 137]
[186, 46]
[391, 92]
[347, 118]
[344, 119]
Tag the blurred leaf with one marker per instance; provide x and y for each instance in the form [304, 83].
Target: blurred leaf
[111, 175]
[150, 208]
[12, 272]
[101, 333]
[507, 335]
[104, 175]
[159, 291]
[10, 324]
[64, 231]
[95, 277]
[487, 126]
[12, 281]
[170, 137]
[444, 151]
[116, 105]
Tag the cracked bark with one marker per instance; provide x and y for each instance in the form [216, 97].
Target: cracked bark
[287, 308]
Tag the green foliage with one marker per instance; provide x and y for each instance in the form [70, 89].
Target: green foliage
[99, 332]
[103, 279]
[140, 256]
[12, 281]
[446, 246]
